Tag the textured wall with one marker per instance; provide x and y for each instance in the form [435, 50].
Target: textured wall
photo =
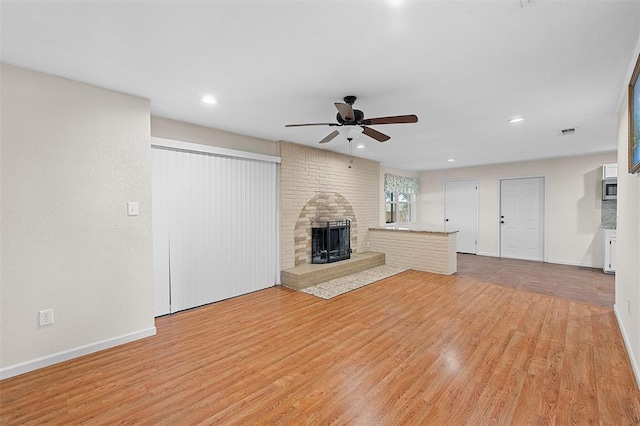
[573, 204]
[186, 132]
[305, 173]
[73, 155]
[628, 246]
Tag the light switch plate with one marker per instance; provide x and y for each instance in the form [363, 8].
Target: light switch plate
[132, 208]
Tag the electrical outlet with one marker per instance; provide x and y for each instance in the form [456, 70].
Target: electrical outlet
[46, 317]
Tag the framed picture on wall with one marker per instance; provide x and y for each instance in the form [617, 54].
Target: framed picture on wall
[634, 120]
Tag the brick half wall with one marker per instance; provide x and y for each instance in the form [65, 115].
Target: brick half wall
[420, 250]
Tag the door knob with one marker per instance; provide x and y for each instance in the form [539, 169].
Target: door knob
[446, 220]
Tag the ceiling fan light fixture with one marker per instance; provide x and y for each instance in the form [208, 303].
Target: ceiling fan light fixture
[515, 120]
[350, 132]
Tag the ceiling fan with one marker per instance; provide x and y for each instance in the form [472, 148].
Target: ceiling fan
[354, 118]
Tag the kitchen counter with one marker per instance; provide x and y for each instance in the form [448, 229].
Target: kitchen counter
[415, 247]
[411, 229]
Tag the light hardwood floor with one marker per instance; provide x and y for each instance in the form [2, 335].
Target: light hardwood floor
[415, 348]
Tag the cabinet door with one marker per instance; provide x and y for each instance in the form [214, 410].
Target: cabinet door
[610, 171]
[609, 238]
[612, 254]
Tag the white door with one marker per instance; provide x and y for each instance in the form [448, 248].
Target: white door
[522, 218]
[461, 213]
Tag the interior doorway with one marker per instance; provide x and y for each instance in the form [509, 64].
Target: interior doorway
[522, 218]
[461, 213]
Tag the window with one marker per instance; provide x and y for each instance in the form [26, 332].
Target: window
[399, 207]
[400, 198]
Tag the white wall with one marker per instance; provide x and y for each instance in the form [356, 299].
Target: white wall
[398, 172]
[73, 155]
[572, 210]
[627, 305]
[186, 132]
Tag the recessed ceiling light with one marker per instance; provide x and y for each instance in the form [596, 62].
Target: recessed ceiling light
[395, 3]
[209, 100]
[451, 160]
[360, 146]
[515, 120]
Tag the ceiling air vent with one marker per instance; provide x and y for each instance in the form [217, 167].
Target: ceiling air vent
[565, 132]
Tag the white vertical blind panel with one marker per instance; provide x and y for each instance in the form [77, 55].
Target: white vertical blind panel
[160, 229]
[221, 226]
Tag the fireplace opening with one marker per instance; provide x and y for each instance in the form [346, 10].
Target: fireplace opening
[330, 241]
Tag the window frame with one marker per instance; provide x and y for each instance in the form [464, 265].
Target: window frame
[395, 203]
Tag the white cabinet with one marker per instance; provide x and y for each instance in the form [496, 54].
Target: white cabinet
[609, 251]
[609, 171]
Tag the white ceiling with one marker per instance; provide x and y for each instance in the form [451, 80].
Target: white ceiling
[464, 68]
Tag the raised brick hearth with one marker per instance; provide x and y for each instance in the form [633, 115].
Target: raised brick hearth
[308, 275]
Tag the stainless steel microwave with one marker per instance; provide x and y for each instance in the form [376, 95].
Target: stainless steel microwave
[610, 189]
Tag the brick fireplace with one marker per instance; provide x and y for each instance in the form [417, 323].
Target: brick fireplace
[318, 185]
[324, 207]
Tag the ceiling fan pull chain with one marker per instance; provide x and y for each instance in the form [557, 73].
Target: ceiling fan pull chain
[350, 152]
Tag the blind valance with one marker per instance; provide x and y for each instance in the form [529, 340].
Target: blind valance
[395, 183]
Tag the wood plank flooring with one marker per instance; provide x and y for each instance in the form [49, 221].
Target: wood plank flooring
[415, 348]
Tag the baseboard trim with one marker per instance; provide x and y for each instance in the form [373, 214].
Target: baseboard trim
[627, 344]
[482, 253]
[571, 263]
[45, 361]
[556, 261]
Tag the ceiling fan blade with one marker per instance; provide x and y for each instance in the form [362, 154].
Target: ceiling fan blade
[311, 124]
[330, 136]
[391, 120]
[380, 137]
[345, 110]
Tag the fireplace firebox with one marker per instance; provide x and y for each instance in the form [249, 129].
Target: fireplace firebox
[330, 241]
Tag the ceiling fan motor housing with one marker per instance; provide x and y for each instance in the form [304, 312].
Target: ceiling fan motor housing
[357, 115]
[350, 99]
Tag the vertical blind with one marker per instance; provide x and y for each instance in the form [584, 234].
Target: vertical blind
[214, 227]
